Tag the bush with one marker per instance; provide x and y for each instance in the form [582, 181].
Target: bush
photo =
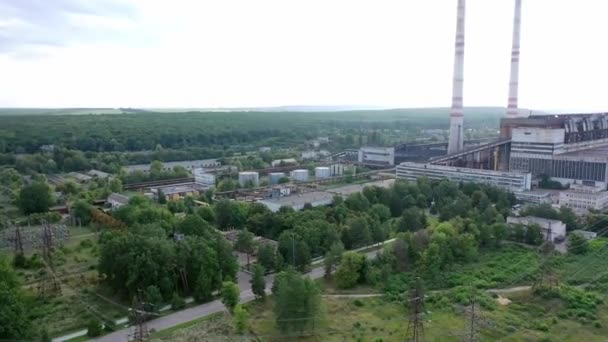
[20, 261]
[177, 302]
[358, 303]
[94, 328]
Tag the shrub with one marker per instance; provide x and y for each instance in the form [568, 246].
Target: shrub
[358, 303]
[177, 302]
[94, 328]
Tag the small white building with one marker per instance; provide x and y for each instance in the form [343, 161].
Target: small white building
[249, 177]
[556, 227]
[116, 200]
[280, 162]
[377, 155]
[581, 198]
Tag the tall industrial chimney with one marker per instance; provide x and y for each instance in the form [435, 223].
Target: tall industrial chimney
[512, 110]
[456, 141]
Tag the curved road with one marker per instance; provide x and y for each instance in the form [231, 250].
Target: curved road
[209, 308]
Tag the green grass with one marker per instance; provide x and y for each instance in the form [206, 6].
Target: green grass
[169, 332]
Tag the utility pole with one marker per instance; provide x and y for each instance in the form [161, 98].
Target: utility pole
[18, 241]
[49, 284]
[471, 333]
[140, 329]
[415, 327]
[546, 250]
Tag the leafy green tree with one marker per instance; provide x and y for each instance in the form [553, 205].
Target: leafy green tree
[206, 213]
[244, 243]
[577, 244]
[258, 283]
[534, 235]
[230, 295]
[266, 256]
[15, 319]
[35, 198]
[177, 302]
[359, 232]
[241, 318]
[226, 185]
[230, 214]
[332, 258]
[351, 270]
[82, 211]
[194, 225]
[297, 302]
[153, 297]
[412, 219]
[381, 212]
[44, 335]
[115, 185]
[94, 328]
[162, 199]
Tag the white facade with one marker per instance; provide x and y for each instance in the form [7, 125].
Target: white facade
[203, 178]
[300, 175]
[274, 177]
[514, 181]
[279, 162]
[537, 197]
[116, 200]
[556, 227]
[249, 177]
[581, 198]
[322, 172]
[377, 155]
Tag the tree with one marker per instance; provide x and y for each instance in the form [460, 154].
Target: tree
[577, 244]
[230, 295]
[153, 298]
[94, 328]
[177, 302]
[359, 232]
[380, 211]
[241, 317]
[534, 235]
[332, 258]
[203, 289]
[297, 302]
[258, 283]
[230, 214]
[35, 198]
[350, 270]
[244, 243]
[206, 213]
[115, 185]
[82, 211]
[15, 321]
[162, 199]
[412, 219]
[266, 256]
[194, 225]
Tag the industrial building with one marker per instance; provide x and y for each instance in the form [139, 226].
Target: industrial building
[581, 198]
[297, 202]
[203, 178]
[300, 175]
[514, 181]
[555, 228]
[377, 156]
[249, 178]
[167, 166]
[322, 172]
[275, 177]
[177, 191]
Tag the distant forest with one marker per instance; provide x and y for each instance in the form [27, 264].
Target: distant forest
[24, 131]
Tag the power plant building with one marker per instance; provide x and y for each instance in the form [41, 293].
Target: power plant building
[247, 178]
[514, 181]
[377, 156]
[322, 172]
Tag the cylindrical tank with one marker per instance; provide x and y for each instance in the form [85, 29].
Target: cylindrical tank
[274, 177]
[322, 172]
[249, 177]
[300, 175]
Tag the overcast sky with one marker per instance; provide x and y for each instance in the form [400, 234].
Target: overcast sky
[241, 53]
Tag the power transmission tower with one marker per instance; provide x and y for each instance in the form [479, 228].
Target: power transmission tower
[140, 329]
[18, 241]
[415, 326]
[471, 333]
[546, 249]
[50, 283]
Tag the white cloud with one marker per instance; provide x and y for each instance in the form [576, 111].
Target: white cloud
[277, 52]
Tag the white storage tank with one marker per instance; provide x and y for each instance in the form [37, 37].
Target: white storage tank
[322, 172]
[249, 177]
[300, 175]
[274, 177]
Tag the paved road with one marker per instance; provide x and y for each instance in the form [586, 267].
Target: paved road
[207, 309]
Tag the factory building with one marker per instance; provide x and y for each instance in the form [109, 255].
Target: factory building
[275, 177]
[247, 178]
[381, 156]
[514, 181]
[322, 172]
[555, 228]
[203, 178]
[581, 198]
[300, 175]
[167, 166]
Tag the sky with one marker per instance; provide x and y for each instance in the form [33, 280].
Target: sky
[245, 53]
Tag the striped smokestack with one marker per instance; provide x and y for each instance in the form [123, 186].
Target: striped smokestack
[455, 144]
[512, 110]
